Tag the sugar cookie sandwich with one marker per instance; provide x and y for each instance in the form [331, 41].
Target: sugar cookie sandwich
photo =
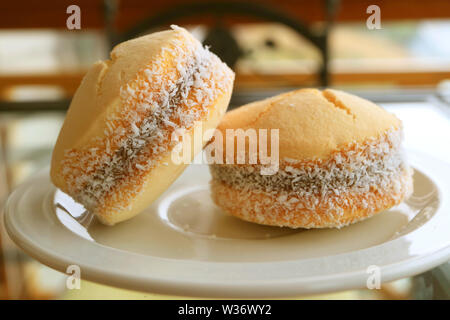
[113, 152]
[340, 161]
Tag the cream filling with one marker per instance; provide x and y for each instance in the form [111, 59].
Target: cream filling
[378, 163]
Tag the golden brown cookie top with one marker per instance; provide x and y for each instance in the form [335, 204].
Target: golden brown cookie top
[313, 123]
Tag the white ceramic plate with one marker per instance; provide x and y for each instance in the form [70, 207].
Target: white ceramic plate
[184, 245]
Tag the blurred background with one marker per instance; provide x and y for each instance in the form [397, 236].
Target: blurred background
[272, 45]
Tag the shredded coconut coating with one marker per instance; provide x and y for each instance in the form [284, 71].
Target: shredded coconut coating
[358, 178]
[170, 93]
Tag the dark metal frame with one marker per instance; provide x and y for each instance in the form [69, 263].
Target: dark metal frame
[221, 8]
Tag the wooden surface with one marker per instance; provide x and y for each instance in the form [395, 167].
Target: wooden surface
[52, 13]
[69, 82]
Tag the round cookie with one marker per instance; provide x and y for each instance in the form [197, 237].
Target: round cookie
[340, 161]
[113, 153]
